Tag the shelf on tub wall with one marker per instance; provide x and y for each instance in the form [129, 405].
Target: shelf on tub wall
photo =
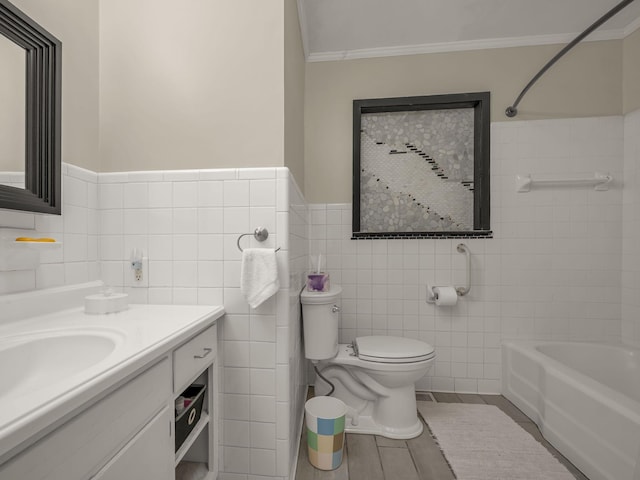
[23, 255]
[34, 242]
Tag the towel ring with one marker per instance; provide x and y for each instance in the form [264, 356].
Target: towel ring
[260, 234]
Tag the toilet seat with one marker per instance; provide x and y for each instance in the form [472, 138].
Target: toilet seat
[389, 349]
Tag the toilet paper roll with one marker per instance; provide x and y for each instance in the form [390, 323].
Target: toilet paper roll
[445, 296]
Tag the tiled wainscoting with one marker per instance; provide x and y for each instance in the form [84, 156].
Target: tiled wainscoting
[187, 224]
[76, 260]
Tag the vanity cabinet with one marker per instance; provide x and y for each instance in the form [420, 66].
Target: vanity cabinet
[128, 431]
[195, 363]
[78, 448]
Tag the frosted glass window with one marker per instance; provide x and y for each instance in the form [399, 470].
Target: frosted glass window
[421, 166]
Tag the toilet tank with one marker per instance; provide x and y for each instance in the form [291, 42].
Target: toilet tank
[320, 318]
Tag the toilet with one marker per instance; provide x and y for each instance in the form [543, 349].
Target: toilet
[374, 375]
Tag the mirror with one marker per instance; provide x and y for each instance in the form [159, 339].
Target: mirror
[30, 120]
[12, 113]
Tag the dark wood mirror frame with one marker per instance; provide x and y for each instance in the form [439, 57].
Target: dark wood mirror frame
[43, 54]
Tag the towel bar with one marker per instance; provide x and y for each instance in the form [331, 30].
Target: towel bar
[600, 181]
[260, 234]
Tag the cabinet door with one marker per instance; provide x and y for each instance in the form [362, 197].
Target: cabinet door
[148, 455]
[79, 447]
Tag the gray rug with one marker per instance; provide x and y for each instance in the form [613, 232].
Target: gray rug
[480, 442]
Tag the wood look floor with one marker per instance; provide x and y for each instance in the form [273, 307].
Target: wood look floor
[371, 457]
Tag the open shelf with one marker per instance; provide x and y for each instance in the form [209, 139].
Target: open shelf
[193, 471]
[197, 457]
[201, 425]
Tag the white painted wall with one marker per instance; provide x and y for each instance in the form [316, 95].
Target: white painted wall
[586, 83]
[294, 76]
[199, 85]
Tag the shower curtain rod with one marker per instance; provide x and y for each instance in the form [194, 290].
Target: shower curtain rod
[512, 111]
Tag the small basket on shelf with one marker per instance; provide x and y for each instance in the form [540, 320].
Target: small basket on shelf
[187, 419]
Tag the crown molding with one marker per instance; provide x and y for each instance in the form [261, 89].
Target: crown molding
[632, 27]
[466, 45]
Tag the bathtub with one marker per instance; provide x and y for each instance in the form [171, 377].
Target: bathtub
[584, 397]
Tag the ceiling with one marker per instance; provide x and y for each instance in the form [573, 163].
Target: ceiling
[344, 29]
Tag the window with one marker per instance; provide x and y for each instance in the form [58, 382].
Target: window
[421, 166]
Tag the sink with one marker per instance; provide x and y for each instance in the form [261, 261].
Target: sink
[33, 361]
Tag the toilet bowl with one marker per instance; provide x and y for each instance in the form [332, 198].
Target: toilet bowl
[374, 375]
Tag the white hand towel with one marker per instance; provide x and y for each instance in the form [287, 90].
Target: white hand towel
[258, 275]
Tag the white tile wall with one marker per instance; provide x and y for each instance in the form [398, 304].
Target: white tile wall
[290, 354]
[12, 179]
[75, 260]
[187, 223]
[552, 270]
[631, 231]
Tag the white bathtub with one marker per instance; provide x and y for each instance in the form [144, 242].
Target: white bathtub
[584, 397]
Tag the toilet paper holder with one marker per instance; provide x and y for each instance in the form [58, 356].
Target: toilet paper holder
[461, 291]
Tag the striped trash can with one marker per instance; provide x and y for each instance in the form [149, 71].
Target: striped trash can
[324, 419]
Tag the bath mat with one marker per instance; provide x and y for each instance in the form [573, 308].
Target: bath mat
[481, 442]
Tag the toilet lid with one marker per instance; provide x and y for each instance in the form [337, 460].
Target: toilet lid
[385, 349]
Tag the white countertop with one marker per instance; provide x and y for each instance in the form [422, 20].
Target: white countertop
[143, 333]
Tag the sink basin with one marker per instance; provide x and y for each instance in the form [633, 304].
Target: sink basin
[34, 361]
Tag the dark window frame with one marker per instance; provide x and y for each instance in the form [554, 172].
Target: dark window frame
[480, 102]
